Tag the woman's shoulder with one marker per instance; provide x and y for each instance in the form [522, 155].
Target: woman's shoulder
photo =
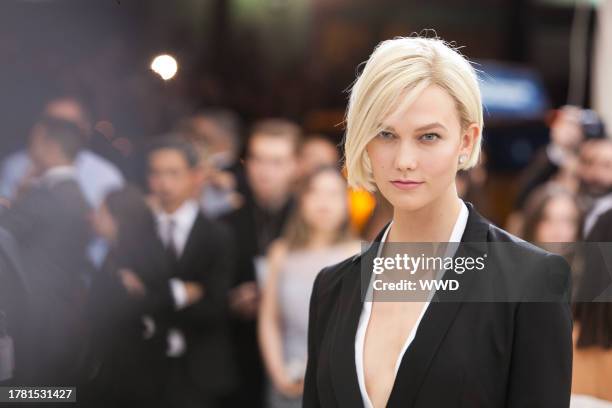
[348, 248]
[525, 248]
[480, 228]
[517, 245]
[520, 265]
[330, 277]
[278, 249]
[547, 273]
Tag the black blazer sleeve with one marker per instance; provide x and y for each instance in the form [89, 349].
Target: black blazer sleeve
[541, 363]
[215, 279]
[311, 394]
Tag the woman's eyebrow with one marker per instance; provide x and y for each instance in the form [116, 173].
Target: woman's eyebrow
[384, 126]
[430, 126]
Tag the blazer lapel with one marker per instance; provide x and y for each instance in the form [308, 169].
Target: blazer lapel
[438, 318]
[192, 246]
[343, 369]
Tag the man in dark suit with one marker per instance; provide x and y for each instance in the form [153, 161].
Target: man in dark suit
[200, 252]
[271, 169]
[49, 224]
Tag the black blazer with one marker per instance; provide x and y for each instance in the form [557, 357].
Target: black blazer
[602, 229]
[208, 258]
[464, 354]
[130, 367]
[244, 225]
[49, 224]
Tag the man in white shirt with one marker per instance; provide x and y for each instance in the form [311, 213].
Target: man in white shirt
[200, 255]
[95, 175]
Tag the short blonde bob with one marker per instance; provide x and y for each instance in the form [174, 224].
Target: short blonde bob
[404, 67]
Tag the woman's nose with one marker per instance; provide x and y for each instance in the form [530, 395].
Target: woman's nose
[405, 157]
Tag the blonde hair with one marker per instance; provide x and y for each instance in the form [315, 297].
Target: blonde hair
[406, 66]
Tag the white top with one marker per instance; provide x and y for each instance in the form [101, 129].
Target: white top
[587, 401]
[366, 310]
[95, 175]
[57, 174]
[295, 279]
[183, 219]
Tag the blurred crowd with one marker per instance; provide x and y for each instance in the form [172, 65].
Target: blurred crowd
[192, 290]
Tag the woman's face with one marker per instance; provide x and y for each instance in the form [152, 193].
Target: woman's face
[559, 221]
[324, 204]
[415, 158]
[104, 224]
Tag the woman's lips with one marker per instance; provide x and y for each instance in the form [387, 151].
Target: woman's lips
[406, 184]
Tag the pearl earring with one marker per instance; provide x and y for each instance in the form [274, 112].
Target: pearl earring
[462, 158]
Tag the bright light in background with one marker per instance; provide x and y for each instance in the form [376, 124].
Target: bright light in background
[165, 66]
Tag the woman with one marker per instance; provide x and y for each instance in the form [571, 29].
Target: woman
[127, 297]
[552, 214]
[551, 220]
[317, 234]
[415, 119]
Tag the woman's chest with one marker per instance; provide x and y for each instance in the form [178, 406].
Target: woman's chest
[463, 352]
[390, 326]
[390, 330]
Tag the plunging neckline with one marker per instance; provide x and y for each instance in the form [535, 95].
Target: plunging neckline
[364, 319]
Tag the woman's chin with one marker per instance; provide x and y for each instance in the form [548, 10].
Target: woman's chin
[406, 203]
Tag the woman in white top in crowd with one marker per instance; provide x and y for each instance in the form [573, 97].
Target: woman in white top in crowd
[317, 234]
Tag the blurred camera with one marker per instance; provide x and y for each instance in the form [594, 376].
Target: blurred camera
[592, 126]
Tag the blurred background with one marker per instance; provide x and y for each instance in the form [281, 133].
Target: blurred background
[284, 58]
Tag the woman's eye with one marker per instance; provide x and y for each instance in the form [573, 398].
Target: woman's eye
[430, 137]
[383, 134]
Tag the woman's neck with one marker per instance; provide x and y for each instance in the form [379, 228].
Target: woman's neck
[432, 223]
[321, 239]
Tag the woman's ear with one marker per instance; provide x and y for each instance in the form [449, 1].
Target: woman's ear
[469, 139]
